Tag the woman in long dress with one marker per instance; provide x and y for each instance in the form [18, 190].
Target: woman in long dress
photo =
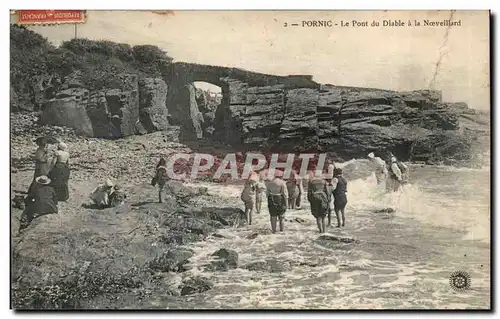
[60, 173]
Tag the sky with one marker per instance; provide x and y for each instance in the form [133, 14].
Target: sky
[454, 60]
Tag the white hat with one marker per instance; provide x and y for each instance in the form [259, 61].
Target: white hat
[62, 146]
[109, 183]
[371, 155]
[44, 180]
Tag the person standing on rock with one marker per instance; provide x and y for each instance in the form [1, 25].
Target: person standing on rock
[160, 178]
[60, 173]
[42, 200]
[380, 168]
[339, 189]
[277, 200]
[318, 197]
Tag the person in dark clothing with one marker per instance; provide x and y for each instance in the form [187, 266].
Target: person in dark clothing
[317, 195]
[339, 187]
[160, 178]
[42, 200]
[60, 173]
[277, 200]
[43, 161]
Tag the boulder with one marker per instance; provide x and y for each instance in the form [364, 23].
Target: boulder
[226, 259]
[174, 260]
[152, 104]
[339, 239]
[68, 109]
[385, 211]
[195, 285]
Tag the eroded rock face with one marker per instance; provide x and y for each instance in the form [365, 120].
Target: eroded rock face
[184, 111]
[153, 104]
[109, 113]
[69, 108]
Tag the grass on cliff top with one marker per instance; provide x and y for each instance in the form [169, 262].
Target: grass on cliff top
[32, 56]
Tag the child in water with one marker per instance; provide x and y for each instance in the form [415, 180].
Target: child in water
[248, 196]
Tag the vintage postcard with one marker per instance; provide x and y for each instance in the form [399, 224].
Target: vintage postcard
[250, 160]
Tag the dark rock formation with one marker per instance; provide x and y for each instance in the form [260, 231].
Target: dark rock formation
[293, 113]
[226, 259]
[109, 113]
[153, 104]
[339, 239]
[195, 285]
[184, 110]
[174, 260]
[259, 112]
[69, 108]
[385, 211]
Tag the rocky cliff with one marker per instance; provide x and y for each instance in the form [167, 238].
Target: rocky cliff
[108, 90]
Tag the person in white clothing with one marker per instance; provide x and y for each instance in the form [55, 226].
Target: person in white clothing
[379, 166]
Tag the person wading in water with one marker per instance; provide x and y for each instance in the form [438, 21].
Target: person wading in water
[317, 195]
[395, 175]
[248, 196]
[261, 190]
[339, 187]
[379, 166]
[277, 200]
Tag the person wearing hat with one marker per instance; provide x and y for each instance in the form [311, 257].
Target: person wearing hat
[277, 200]
[100, 195]
[60, 173]
[42, 200]
[43, 160]
[318, 197]
[339, 190]
[379, 166]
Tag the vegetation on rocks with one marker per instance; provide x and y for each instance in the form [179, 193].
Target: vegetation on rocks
[37, 64]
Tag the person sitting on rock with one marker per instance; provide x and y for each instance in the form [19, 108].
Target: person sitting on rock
[248, 196]
[160, 178]
[100, 195]
[42, 200]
